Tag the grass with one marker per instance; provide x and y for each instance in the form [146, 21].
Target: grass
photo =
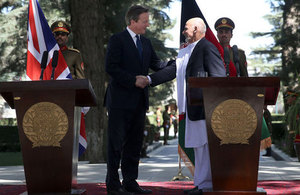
[10, 158]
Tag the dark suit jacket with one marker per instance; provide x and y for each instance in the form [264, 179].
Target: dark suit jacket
[123, 64]
[204, 60]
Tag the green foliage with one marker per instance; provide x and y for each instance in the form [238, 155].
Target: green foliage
[10, 154]
[10, 4]
[278, 130]
[13, 41]
[8, 122]
[159, 93]
[115, 13]
[11, 158]
[292, 116]
[288, 146]
[282, 138]
[271, 52]
[278, 117]
[159, 21]
[290, 42]
[13, 33]
[285, 20]
[9, 139]
[13, 38]
[263, 67]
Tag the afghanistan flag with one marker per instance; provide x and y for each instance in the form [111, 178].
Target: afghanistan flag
[190, 9]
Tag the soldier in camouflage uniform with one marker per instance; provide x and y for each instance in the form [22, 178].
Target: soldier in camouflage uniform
[61, 31]
[224, 27]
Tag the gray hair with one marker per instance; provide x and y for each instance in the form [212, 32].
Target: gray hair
[199, 23]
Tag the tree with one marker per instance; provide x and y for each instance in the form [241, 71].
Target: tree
[87, 20]
[115, 12]
[91, 37]
[13, 36]
[286, 34]
[290, 42]
[285, 19]
[93, 22]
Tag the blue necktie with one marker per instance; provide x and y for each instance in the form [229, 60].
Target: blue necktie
[139, 46]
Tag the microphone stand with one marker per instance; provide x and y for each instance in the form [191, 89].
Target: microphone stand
[54, 63]
[43, 64]
[227, 60]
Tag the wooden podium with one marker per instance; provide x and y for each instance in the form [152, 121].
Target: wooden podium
[48, 122]
[234, 112]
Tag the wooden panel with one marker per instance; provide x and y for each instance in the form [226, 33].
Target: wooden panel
[234, 163]
[234, 166]
[271, 85]
[47, 168]
[235, 193]
[84, 92]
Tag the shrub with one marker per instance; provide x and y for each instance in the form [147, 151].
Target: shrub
[9, 139]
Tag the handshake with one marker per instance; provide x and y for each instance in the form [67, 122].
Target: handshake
[141, 81]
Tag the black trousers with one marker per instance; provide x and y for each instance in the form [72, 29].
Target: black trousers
[166, 133]
[125, 139]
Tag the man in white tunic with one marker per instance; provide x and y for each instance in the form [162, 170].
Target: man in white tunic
[199, 59]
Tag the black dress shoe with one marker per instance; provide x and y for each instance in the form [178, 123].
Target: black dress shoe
[120, 191]
[138, 190]
[196, 192]
[267, 154]
[190, 190]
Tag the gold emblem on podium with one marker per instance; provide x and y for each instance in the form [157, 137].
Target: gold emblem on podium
[45, 124]
[234, 121]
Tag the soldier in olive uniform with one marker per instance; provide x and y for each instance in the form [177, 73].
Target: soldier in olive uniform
[224, 27]
[61, 31]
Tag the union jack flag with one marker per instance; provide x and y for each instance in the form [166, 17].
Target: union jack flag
[41, 39]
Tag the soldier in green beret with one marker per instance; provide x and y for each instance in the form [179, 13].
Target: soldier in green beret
[224, 27]
[61, 31]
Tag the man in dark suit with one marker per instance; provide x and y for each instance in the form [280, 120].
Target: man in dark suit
[128, 55]
[199, 59]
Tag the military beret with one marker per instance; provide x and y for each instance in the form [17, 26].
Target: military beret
[60, 26]
[224, 23]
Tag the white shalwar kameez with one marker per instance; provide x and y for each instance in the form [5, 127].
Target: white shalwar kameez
[195, 131]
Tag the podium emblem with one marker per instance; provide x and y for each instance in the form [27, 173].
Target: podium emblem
[234, 121]
[45, 124]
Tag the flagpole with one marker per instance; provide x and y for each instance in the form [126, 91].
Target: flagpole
[179, 175]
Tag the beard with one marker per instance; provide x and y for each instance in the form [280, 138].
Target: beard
[187, 39]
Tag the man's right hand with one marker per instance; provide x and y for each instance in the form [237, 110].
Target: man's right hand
[141, 81]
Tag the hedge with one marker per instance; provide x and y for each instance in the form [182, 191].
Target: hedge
[9, 139]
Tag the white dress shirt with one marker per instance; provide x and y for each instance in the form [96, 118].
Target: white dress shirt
[132, 34]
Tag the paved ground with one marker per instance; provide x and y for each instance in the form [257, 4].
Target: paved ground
[163, 165]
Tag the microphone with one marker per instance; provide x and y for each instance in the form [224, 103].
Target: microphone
[236, 60]
[226, 60]
[43, 63]
[54, 63]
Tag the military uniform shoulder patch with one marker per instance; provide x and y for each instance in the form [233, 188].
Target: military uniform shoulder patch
[241, 52]
[75, 50]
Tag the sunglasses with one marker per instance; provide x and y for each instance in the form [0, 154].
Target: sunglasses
[60, 33]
